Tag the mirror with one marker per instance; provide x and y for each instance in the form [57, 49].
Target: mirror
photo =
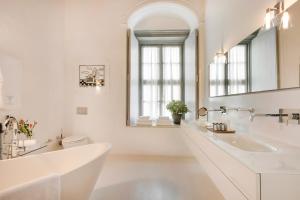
[266, 60]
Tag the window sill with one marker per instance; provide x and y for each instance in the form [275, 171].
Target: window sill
[153, 126]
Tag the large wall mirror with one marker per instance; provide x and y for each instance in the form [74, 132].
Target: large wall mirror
[268, 59]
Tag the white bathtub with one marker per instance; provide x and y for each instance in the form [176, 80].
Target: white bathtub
[78, 167]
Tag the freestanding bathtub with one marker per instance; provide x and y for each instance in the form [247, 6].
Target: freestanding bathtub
[78, 168]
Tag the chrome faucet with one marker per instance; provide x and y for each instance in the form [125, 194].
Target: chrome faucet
[11, 125]
[280, 115]
[223, 109]
[10, 131]
[290, 114]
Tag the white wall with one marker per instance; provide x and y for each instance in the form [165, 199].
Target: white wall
[32, 41]
[235, 19]
[162, 21]
[96, 34]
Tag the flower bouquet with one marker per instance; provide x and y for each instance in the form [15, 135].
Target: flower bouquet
[26, 127]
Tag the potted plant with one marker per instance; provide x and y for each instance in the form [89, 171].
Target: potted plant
[177, 108]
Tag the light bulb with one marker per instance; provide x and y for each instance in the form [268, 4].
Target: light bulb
[216, 59]
[285, 20]
[269, 19]
[220, 58]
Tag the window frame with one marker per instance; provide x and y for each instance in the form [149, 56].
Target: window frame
[160, 44]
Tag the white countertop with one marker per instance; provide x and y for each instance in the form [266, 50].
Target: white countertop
[285, 159]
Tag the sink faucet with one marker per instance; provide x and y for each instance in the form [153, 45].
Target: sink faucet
[280, 115]
[290, 114]
[223, 109]
[11, 123]
[10, 130]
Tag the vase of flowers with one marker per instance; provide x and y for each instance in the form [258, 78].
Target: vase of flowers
[26, 128]
[178, 109]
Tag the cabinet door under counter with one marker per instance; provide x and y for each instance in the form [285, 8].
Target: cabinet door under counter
[224, 185]
[280, 186]
[233, 177]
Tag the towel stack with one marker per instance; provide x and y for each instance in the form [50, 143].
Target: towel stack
[144, 121]
[164, 121]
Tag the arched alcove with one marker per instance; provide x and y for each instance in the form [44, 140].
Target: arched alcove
[164, 8]
[162, 24]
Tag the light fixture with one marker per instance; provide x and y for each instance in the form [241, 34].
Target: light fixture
[285, 20]
[269, 19]
[220, 58]
[272, 19]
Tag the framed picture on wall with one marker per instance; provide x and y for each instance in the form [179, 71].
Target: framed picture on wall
[91, 75]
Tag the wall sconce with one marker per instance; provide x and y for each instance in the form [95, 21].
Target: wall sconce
[285, 20]
[220, 58]
[272, 20]
[269, 19]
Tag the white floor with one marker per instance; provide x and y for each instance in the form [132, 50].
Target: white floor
[154, 178]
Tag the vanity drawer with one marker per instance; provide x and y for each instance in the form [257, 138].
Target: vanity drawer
[280, 186]
[243, 178]
[229, 191]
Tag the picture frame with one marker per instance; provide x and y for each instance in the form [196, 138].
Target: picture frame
[91, 76]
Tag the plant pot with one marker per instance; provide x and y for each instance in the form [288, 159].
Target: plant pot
[177, 118]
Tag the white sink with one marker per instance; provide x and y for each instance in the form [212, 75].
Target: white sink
[246, 143]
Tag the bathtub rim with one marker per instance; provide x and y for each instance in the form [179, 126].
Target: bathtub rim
[107, 147]
[104, 152]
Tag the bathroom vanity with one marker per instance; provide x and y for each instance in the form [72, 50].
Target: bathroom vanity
[246, 168]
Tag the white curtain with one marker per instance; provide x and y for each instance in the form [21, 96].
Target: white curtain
[150, 81]
[217, 79]
[237, 69]
[161, 79]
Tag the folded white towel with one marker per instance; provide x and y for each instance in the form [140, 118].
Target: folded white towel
[163, 118]
[43, 188]
[144, 122]
[144, 118]
[164, 121]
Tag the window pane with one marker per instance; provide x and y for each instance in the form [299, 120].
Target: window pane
[171, 54]
[150, 77]
[172, 71]
[171, 76]
[176, 92]
[150, 72]
[150, 54]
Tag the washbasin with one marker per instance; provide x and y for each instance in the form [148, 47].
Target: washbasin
[246, 143]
